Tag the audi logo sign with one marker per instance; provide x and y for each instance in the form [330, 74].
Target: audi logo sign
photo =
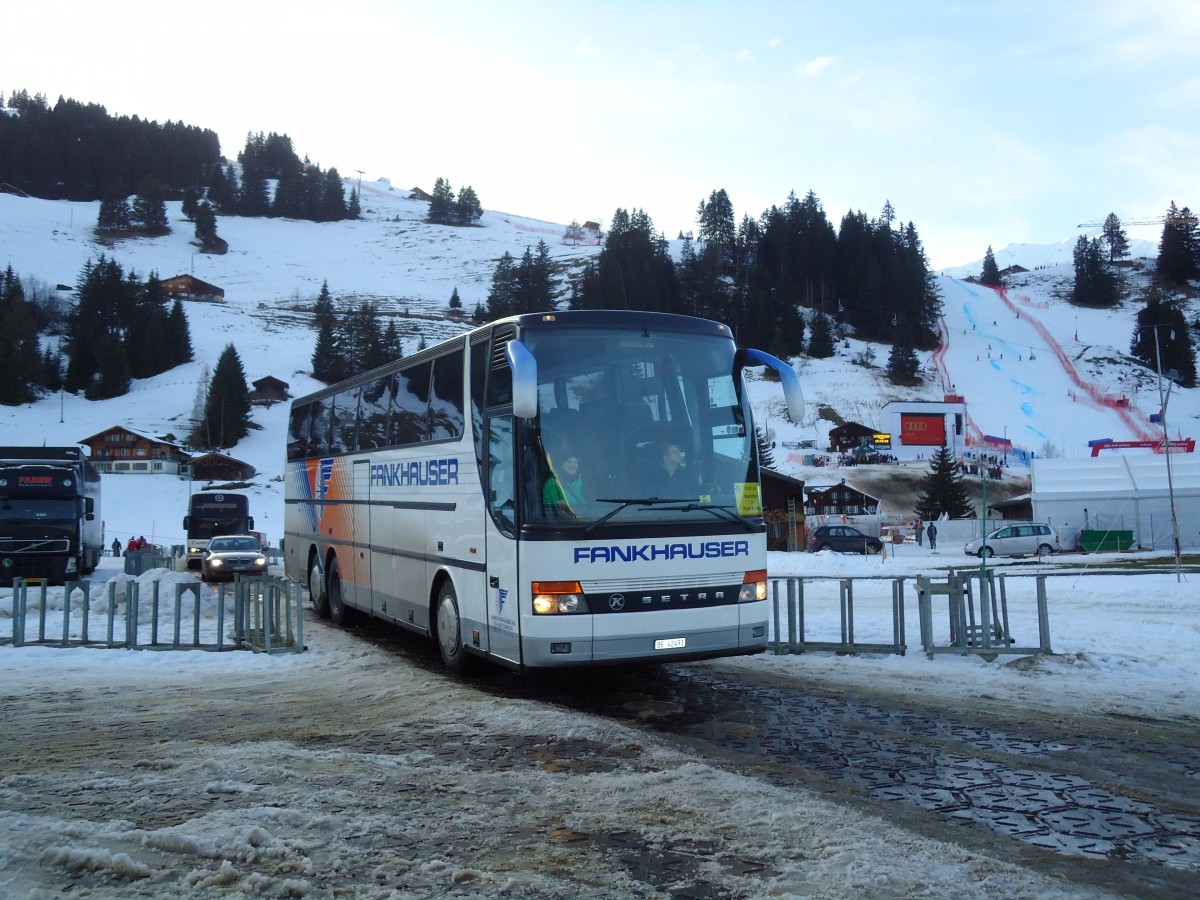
[922, 431]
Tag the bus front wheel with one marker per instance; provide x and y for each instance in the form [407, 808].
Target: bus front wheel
[449, 631]
[316, 588]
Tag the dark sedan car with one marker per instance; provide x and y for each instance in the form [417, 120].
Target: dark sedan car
[230, 555]
[843, 539]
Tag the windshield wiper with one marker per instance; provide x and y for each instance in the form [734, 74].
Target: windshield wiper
[720, 512]
[626, 503]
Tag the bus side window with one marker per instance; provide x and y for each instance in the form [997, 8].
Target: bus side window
[318, 432]
[411, 406]
[298, 437]
[446, 402]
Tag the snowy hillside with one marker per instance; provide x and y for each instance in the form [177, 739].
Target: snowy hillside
[1029, 366]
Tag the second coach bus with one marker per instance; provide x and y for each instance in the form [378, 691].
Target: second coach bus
[559, 489]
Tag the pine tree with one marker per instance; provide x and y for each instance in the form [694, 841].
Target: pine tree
[391, 345]
[1178, 248]
[226, 418]
[766, 454]
[820, 337]
[455, 300]
[179, 336]
[325, 365]
[990, 275]
[114, 215]
[253, 198]
[441, 204]
[353, 206]
[1116, 238]
[206, 222]
[943, 490]
[149, 211]
[718, 225]
[502, 297]
[19, 358]
[903, 365]
[1162, 336]
[112, 369]
[1095, 285]
[323, 312]
[191, 199]
[467, 208]
[534, 288]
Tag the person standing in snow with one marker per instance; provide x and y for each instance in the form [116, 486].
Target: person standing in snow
[931, 531]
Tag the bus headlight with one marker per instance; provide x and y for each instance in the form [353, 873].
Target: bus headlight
[754, 586]
[554, 598]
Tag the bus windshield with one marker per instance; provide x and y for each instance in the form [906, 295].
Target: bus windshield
[635, 426]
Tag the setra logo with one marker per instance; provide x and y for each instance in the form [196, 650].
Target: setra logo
[616, 602]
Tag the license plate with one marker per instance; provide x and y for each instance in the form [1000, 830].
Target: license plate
[670, 644]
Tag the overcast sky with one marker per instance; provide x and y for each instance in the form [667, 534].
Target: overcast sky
[569, 111]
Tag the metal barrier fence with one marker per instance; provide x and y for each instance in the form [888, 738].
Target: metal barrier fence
[981, 629]
[268, 617]
[988, 635]
[796, 619]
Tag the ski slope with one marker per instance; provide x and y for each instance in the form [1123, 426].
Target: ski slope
[1005, 353]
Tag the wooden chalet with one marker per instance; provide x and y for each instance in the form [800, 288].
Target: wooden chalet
[121, 449]
[189, 287]
[850, 436]
[839, 500]
[219, 467]
[269, 389]
[783, 510]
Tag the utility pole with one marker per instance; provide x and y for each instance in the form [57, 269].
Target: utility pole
[1163, 399]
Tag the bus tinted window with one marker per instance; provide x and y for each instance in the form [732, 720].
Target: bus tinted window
[373, 418]
[318, 429]
[343, 421]
[446, 412]
[411, 406]
[298, 433]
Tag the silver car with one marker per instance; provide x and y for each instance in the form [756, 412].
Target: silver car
[230, 555]
[1015, 540]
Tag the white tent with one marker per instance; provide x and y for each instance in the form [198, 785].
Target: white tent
[1120, 492]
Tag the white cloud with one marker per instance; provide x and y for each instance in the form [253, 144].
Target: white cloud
[818, 65]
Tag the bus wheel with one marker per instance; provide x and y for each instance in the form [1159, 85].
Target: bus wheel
[316, 588]
[339, 613]
[449, 630]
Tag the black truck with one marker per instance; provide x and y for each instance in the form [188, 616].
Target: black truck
[50, 526]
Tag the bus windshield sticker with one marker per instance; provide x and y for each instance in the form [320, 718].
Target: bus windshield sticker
[749, 500]
[721, 392]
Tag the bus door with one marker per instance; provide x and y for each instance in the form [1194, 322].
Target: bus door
[356, 578]
[503, 612]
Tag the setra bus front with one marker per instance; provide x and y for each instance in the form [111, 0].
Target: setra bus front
[634, 506]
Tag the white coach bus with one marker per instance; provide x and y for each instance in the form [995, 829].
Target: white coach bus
[560, 489]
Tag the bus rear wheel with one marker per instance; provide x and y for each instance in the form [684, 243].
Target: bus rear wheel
[339, 613]
[448, 623]
[316, 588]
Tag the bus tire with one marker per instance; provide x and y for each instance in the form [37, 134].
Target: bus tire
[448, 631]
[339, 613]
[316, 587]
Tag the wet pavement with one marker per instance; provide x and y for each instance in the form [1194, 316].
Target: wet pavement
[1117, 803]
